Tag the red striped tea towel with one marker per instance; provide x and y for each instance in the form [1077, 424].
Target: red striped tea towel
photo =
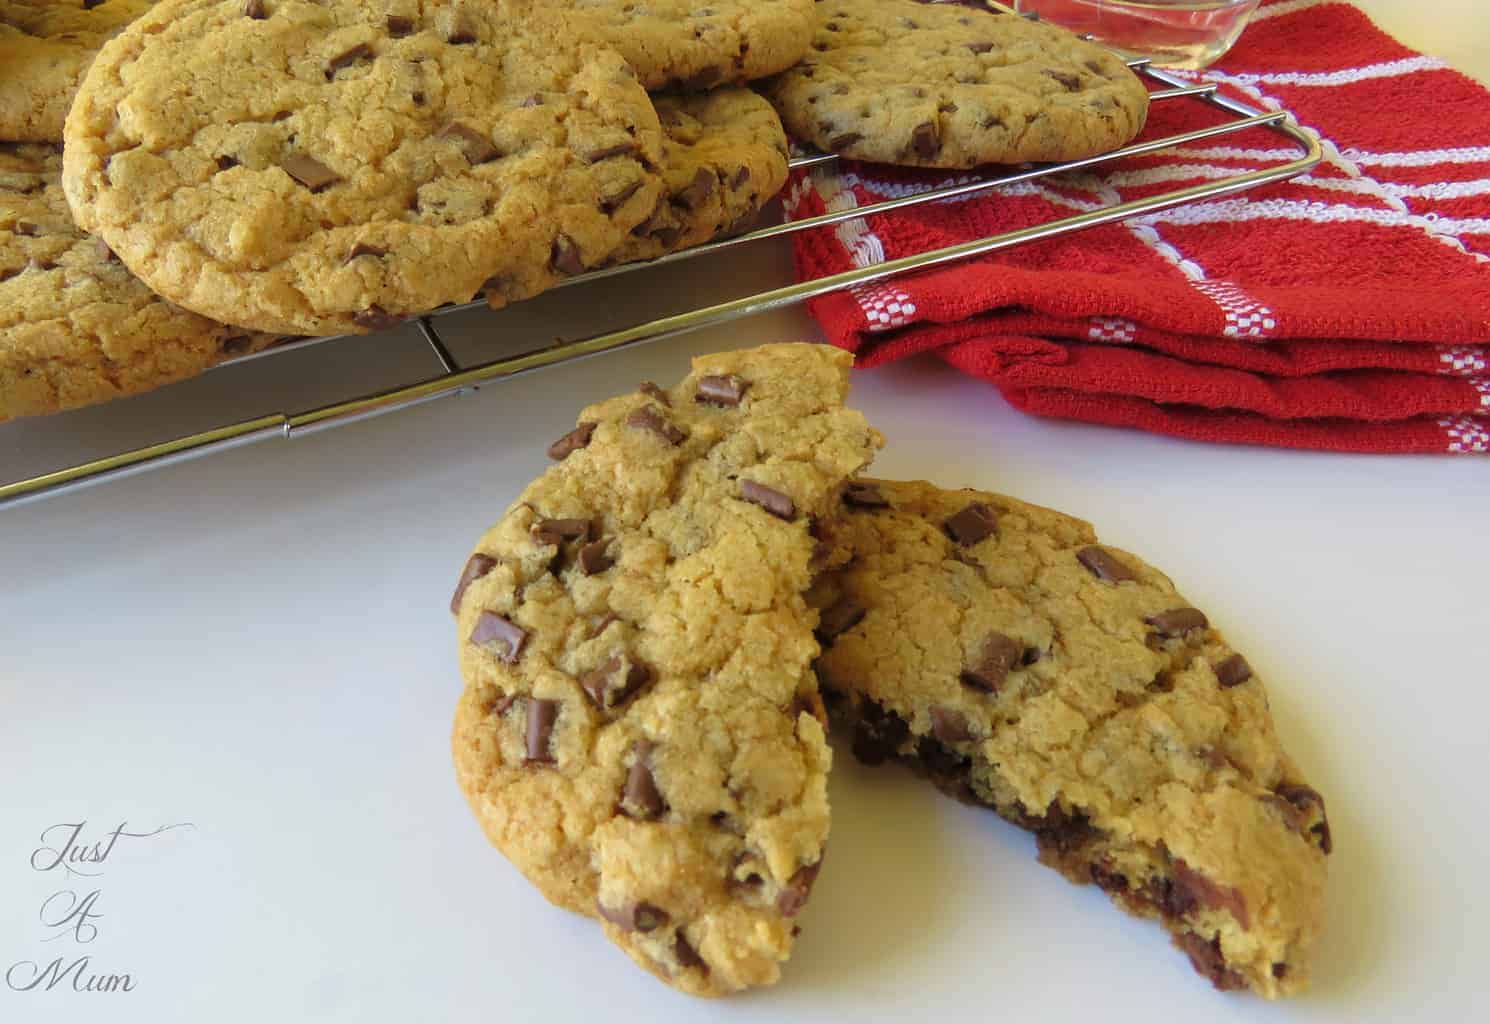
[1348, 309]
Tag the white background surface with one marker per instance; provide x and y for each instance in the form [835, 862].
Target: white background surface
[258, 644]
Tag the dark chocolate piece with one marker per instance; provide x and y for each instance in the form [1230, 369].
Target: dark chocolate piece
[727, 390]
[477, 566]
[974, 523]
[1104, 566]
[999, 656]
[541, 717]
[499, 635]
[1177, 621]
[774, 502]
[571, 442]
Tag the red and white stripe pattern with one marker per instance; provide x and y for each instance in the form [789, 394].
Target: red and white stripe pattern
[1386, 242]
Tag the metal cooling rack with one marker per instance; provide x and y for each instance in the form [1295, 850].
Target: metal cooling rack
[454, 379]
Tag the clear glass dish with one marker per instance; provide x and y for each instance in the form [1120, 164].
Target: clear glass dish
[1173, 33]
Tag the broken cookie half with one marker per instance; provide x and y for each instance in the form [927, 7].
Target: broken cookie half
[1021, 665]
[640, 732]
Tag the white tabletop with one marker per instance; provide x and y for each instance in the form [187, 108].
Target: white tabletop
[257, 644]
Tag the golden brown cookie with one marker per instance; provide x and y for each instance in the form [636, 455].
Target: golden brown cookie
[900, 82]
[45, 48]
[683, 44]
[724, 157]
[640, 732]
[76, 327]
[1023, 666]
[334, 166]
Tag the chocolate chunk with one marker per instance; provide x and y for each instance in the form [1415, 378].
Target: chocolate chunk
[650, 389]
[557, 531]
[980, 47]
[376, 318]
[541, 717]
[925, 140]
[972, 524]
[609, 687]
[843, 141]
[566, 257]
[1207, 960]
[593, 558]
[1070, 81]
[477, 566]
[999, 655]
[774, 502]
[88, 5]
[1233, 671]
[309, 171]
[1209, 894]
[878, 734]
[1280, 971]
[363, 249]
[685, 954]
[500, 636]
[1307, 801]
[620, 149]
[648, 418]
[226, 163]
[572, 442]
[840, 618]
[857, 495]
[634, 917]
[614, 201]
[254, 9]
[1103, 565]
[348, 57]
[950, 725]
[476, 145]
[740, 178]
[462, 33]
[696, 191]
[793, 897]
[398, 25]
[727, 390]
[641, 799]
[1177, 621]
[605, 620]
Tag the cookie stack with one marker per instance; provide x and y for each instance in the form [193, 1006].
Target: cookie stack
[311, 168]
[650, 632]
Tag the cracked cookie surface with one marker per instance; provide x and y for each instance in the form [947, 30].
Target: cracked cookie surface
[724, 156]
[1000, 649]
[45, 49]
[76, 327]
[901, 82]
[685, 44]
[640, 731]
[331, 167]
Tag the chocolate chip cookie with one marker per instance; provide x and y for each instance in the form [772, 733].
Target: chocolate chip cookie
[1022, 665]
[45, 47]
[681, 44]
[75, 326]
[335, 166]
[901, 82]
[724, 156]
[640, 730]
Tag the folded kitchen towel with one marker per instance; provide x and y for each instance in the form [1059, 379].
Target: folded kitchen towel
[1347, 309]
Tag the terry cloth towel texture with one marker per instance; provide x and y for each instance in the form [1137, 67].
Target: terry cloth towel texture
[1346, 310]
